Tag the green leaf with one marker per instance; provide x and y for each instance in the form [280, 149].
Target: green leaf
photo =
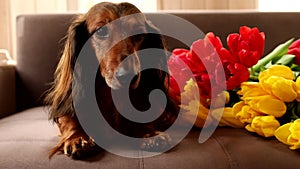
[269, 64]
[296, 73]
[279, 51]
[286, 60]
[295, 67]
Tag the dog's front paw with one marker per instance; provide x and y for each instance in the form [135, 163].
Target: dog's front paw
[78, 147]
[160, 142]
[74, 141]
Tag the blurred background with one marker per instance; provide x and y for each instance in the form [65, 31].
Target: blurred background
[10, 9]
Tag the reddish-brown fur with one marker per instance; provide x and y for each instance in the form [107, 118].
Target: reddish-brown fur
[74, 141]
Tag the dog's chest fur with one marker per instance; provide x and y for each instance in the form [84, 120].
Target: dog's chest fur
[139, 98]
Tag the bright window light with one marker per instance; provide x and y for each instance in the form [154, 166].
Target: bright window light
[279, 5]
[143, 5]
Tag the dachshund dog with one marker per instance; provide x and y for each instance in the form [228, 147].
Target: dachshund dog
[74, 141]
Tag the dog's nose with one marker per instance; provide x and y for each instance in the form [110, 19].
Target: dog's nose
[121, 71]
[127, 72]
[125, 76]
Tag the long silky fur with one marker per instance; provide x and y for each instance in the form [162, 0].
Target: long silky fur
[59, 96]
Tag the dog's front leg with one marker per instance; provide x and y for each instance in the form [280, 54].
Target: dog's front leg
[74, 141]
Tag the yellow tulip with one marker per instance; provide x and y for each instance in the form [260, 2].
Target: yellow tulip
[297, 84]
[193, 107]
[227, 117]
[280, 87]
[295, 134]
[220, 100]
[263, 125]
[251, 89]
[190, 92]
[246, 86]
[277, 70]
[247, 114]
[237, 107]
[267, 104]
[283, 132]
[289, 134]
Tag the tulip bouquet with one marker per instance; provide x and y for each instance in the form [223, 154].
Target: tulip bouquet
[261, 94]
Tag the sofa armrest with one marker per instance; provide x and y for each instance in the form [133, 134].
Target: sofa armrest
[7, 89]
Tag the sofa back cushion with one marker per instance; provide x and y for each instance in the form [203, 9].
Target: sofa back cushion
[39, 44]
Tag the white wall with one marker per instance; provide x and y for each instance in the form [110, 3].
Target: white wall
[206, 4]
[5, 26]
[10, 9]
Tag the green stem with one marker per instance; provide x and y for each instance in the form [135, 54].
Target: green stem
[280, 50]
[253, 75]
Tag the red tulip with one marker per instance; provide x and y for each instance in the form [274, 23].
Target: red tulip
[235, 75]
[208, 61]
[214, 40]
[248, 46]
[294, 49]
[178, 69]
[235, 72]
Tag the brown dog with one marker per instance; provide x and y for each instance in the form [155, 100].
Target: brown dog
[74, 141]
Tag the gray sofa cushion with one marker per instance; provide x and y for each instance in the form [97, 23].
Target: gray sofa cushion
[39, 45]
[27, 137]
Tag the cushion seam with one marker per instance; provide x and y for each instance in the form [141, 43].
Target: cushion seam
[226, 153]
[141, 163]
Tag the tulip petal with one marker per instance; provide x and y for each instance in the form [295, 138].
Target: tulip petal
[277, 70]
[237, 107]
[246, 86]
[252, 90]
[284, 89]
[268, 105]
[282, 133]
[193, 107]
[280, 87]
[236, 74]
[228, 117]
[294, 49]
[289, 134]
[297, 83]
[295, 129]
[264, 125]
[215, 40]
[246, 115]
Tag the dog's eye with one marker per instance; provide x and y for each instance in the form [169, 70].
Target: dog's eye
[102, 32]
[138, 38]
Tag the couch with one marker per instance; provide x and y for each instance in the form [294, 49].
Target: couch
[26, 135]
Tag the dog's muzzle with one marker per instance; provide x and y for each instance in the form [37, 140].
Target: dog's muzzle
[127, 73]
[126, 76]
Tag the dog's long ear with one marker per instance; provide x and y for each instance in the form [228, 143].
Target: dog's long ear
[59, 96]
[76, 38]
[157, 40]
[154, 39]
